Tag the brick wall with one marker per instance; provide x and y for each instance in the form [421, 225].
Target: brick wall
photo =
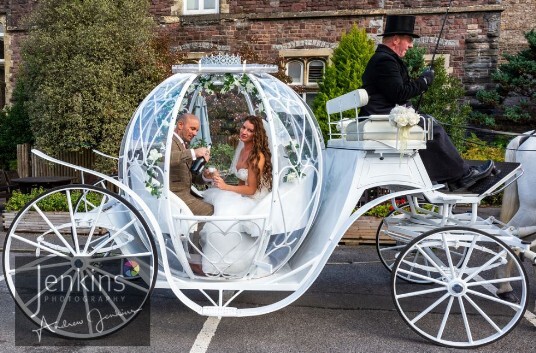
[518, 18]
[474, 35]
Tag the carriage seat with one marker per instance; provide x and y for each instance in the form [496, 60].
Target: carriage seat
[373, 132]
[376, 132]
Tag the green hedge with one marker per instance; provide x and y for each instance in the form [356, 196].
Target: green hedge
[55, 202]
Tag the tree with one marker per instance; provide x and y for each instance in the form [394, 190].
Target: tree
[87, 65]
[444, 100]
[14, 127]
[514, 97]
[344, 72]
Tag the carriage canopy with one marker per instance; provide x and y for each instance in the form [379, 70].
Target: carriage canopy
[221, 90]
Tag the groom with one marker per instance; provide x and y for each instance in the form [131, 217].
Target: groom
[180, 177]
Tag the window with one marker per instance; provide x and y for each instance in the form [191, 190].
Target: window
[295, 72]
[201, 7]
[315, 71]
[306, 71]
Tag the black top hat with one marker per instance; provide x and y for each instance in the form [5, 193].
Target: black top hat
[397, 24]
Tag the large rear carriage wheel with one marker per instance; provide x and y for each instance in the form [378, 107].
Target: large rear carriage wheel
[459, 306]
[70, 270]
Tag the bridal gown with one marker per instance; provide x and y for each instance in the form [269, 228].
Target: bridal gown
[229, 247]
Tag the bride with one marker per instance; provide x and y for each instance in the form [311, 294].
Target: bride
[227, 249]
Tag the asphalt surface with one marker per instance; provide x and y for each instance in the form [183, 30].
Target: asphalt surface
[348, 309]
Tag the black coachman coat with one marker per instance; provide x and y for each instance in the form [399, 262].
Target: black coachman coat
[387, 82]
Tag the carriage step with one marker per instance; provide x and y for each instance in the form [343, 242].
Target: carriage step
[484, 185]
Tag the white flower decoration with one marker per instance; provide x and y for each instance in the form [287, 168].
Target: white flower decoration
[403, 118]
[250, 87]
[154, 155]
[152, 185]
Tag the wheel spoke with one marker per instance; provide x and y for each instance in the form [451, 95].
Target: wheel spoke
[465, 320]
[74, 231]
[394, 247]
[94, 223]
[492, 281]
[118, 257]
[486, 265]
[447, 253]
[119, 279]
[432, 262]
[38, 295]
[86, 306]
[25, 268]
[482, 313]
[42, 247]
[31, 265]
[421, 292]
[103, 291]
[468, 255]
[427, 278]
[115, 235]
[67, 295]
[494, 299]
[53, 228]
[430, 308]
[445, 318]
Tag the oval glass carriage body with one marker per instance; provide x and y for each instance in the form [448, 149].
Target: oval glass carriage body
[261, 241]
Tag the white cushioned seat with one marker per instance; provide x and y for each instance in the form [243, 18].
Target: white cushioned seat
[379, 130]
[377, 133]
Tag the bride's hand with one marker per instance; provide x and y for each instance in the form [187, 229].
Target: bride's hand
[210, 172]
[219, 182]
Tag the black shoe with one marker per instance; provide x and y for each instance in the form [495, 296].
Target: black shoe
[474, 175]
[510, 297]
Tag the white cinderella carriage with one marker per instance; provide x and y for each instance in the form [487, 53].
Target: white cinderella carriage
[123, 240]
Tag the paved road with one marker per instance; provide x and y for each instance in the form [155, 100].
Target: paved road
[348, 309]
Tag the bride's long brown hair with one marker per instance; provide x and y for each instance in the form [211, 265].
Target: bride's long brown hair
[260, 146]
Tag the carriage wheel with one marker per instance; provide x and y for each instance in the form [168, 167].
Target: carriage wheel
[389, 245]
[98, 260]
[459, 308]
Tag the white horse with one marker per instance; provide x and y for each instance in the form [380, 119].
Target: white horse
[519, 200]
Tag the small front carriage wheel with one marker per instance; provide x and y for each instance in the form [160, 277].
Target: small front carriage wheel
[459, 307]
[72, 269]
[390, 241]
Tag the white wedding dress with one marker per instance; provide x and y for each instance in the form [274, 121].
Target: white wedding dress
[229, 246]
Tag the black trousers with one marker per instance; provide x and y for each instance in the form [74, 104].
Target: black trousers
[441, 158]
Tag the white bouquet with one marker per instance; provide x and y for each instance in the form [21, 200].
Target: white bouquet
[403, 118]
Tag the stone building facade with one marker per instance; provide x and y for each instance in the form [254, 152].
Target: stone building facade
[305, 32]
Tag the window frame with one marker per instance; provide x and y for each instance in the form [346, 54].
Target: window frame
[305, 63]
[302, 71]
[202, 10]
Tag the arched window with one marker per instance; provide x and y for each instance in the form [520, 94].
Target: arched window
[295, 72]
[315, 69]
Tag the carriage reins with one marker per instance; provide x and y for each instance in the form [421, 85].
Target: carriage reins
[523, 139]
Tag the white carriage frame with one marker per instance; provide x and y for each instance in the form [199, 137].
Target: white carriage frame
[371, 155]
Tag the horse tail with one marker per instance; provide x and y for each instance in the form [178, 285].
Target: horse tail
[510, 201]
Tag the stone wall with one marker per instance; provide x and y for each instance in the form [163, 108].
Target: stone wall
[519, 17]
[475, 35]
